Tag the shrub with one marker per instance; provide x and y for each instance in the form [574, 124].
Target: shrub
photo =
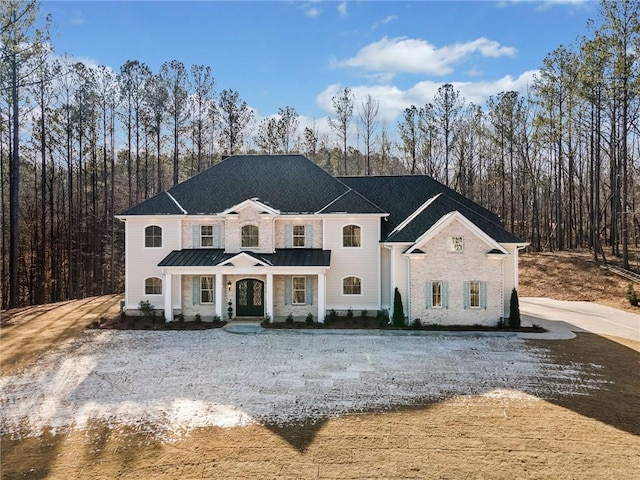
[230, 309]
[180, 317]
[398, 309]
[289, 319]
[197, 318]
[632, 296]
[333, 316]
[146, 309]
[349, 313]
[514, 310]
[382, 317]
[309, 319]
[416, 323]
[216, 319]
[267, 318]
[364, 313]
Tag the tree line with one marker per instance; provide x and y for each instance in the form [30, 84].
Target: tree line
[79, 144]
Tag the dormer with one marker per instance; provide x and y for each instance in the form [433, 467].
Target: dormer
[249, 227]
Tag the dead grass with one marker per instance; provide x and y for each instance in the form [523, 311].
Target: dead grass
[572, 276]
[588, 437]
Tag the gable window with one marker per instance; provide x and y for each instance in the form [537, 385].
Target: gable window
[250, 236]
[153, 286]
[351, 236]
[153, 236]
[206, 235]
[456, 244]
[298, 234]
[206, 289]
[299, 290]
[351, 286]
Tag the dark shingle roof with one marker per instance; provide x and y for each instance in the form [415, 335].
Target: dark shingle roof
[401, 196]
[288, 183]
[286, 257]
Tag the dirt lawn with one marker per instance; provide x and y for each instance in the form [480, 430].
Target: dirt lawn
[592, 435]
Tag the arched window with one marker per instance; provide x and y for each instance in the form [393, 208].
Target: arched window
[250, 236]
[351, 236]
[351, 286]
[153, 236]
[153, 286]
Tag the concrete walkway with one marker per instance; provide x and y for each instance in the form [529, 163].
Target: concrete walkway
[562, 318]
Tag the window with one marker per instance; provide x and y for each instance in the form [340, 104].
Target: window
[206, 235]
[299, 290]
[153, 286]
[456, 244]
[298, 235]
[351, 236]
[474, 294]
[436, 294]
[351, 286]
[206, 289]
[250, 236]
[153, 236]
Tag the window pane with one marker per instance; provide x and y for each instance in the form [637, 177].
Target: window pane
[242, 293]
[206, 289]
[299, 287]
[153, 237]
[257, 294]
[351, 236]
[474, 294]
[153, 286]
[206, 236]
[436, 294]
[298, 235]
[351, 286]
[250, 236]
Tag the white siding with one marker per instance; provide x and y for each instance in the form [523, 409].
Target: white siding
[141, 262]
[455, 269]
[510, 266]
[385, 277]
[362, 262]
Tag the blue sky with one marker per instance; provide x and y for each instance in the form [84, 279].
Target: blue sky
[300, 53]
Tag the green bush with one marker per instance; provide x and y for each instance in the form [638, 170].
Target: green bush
[197, 318]
[382, 317]
[333, 317]
[309, 319]
[364, 313]
[631, 295]
[416, 323]
[146, 309]
[398, 309]
[514, 310]
[349, 313]
[289, 319]
[180, 317]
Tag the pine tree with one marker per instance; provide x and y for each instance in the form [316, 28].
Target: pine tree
[514, 310]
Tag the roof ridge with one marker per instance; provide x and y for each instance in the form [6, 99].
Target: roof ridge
[176, 202]
[415, 213]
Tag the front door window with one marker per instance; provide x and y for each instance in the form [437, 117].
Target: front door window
[250, 298]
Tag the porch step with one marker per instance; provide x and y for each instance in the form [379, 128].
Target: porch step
[243, 327]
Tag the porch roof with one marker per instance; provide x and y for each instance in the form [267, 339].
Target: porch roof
[211, 257]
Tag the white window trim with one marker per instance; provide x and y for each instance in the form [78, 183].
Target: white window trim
[241, 235]
[303, 236]
[144, 236]
[342, 236]
[144, 285]
[206, 236]
[212, 289]
[351, 294]
[293, 291]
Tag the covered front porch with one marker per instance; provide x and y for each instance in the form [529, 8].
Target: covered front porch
[244, 285]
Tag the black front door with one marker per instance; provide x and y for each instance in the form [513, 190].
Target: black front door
[250, 298]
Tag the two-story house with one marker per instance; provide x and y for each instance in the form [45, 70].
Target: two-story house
[273, 235]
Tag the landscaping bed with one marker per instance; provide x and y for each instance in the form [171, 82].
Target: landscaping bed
[138, 322]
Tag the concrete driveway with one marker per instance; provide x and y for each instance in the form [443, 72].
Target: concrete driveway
[561, 317]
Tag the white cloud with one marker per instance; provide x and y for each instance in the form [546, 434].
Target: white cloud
[402, 54]
[312, 12]
[342, 9]
[384, 21]
[393, 100]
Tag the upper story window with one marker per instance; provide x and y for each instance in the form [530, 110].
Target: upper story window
[250, 236]
[153, 236]
[298, 235]
[351, 236]
[456, 244]
[351, 286]
[153, 286]
[206, 235]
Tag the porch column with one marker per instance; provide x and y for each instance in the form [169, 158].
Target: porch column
[218, 281]
[168, 300]
[269, 297]
[322, 304]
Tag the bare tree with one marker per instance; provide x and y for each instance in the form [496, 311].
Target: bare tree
[368, 113]
[343, 108]
[235, 116]
[174, 75]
